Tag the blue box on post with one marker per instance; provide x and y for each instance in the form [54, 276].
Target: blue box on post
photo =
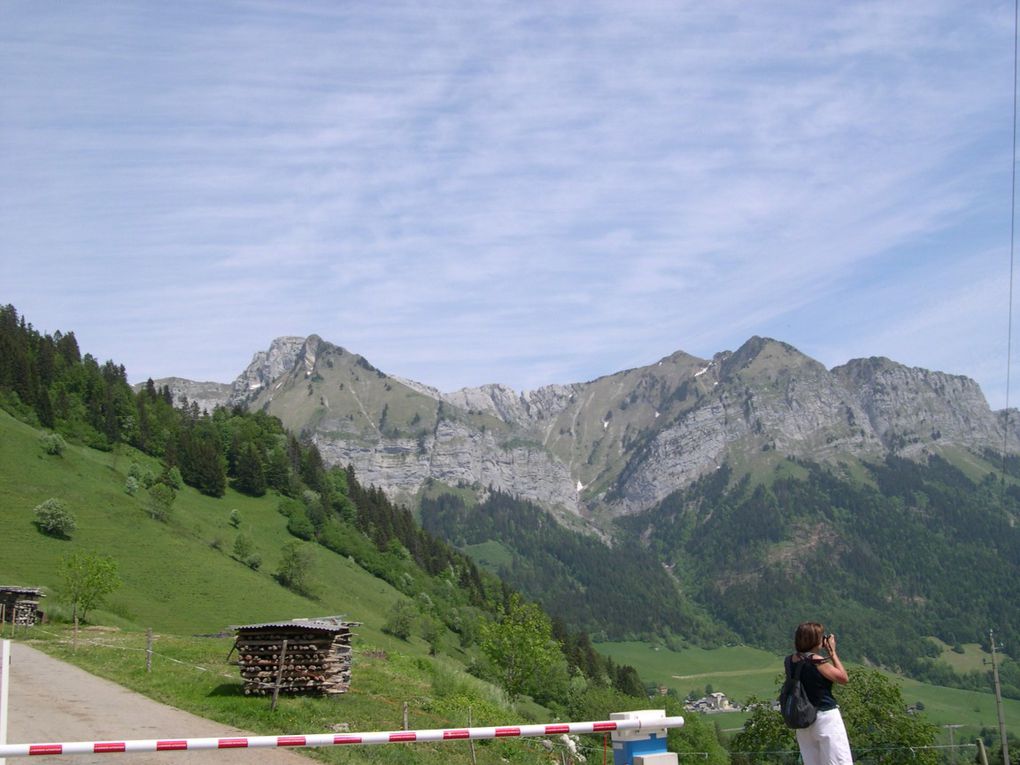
[647, 744]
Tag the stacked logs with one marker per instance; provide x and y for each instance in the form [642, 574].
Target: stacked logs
[302, 656]
[20, 605]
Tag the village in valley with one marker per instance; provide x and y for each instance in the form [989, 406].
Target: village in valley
[712, 703]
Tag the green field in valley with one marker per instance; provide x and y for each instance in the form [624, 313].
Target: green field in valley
[742, 672]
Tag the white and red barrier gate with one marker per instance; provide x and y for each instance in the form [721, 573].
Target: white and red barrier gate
[339, 739]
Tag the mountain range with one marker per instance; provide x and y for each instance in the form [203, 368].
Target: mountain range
[622, 443]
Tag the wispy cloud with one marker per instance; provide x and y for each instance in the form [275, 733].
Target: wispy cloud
[516, 192]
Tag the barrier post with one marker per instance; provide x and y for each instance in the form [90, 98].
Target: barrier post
[5, 688]
[643, 746]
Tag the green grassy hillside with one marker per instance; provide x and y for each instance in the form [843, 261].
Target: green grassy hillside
[179, 579]
[178, 576]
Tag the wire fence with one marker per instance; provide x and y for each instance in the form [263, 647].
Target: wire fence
[146, 651]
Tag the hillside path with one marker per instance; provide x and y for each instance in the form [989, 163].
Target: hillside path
[51, 702]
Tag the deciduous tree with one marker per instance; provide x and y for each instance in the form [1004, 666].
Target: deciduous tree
[520, 647]
[295, 568]
[88, 578]
[161, 501]
[400, 619]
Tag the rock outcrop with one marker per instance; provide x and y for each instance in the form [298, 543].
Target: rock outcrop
[269, 366]
[206, 395]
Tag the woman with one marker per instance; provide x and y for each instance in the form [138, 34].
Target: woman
[825, 741]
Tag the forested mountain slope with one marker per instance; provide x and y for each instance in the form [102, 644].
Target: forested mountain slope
[620, 592]
[910, 549]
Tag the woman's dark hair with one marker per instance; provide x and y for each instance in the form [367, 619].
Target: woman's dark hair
[808, 636]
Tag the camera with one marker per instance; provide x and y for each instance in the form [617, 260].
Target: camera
[827, 637]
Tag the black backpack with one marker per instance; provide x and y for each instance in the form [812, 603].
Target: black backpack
[794, 704]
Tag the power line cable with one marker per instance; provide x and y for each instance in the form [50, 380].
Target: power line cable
[1012, 245]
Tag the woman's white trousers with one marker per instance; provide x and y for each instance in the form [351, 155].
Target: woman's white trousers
[825, 742]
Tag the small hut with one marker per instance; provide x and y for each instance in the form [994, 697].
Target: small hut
[315, 655]
[20, 605]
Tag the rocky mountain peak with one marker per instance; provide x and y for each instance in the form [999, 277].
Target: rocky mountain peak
[767, 358]
[910, 407]
[267, 366]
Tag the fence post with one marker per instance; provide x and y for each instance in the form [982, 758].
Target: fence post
[148, 650]
[279, 676]
[405, 716]
[981, 751]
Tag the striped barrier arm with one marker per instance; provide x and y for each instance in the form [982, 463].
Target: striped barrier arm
[331, 739]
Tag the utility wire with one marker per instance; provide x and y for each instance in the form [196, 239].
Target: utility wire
[1012, 244]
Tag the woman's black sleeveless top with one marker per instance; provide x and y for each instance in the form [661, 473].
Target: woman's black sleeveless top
[819, 690]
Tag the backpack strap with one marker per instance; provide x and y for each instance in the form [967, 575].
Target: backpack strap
[794, 668]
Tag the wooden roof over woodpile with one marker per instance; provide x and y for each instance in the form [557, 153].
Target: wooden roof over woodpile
[34, 591]
[322, 623]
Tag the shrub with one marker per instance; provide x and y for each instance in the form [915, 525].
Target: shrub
[295, 568]
[53, 518]
[141, 474]
[53, 443]
[300, 525]
[131, 485]
[161, 502]
[242, 547]
[399, 620]
[173, 478]
[235, 518]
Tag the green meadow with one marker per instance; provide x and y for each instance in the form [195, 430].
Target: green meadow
[178, 576]
[742, 672]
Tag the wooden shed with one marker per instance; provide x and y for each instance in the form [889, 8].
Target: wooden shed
[315, 655]
[20, 605]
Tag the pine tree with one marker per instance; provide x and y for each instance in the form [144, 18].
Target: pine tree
[251, 472]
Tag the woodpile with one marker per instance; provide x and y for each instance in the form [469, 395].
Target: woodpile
[299, 656]
[20, 605]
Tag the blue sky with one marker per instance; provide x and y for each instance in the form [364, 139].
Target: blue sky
[515, 192]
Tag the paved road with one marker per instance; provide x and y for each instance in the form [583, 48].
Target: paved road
[51, 701]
